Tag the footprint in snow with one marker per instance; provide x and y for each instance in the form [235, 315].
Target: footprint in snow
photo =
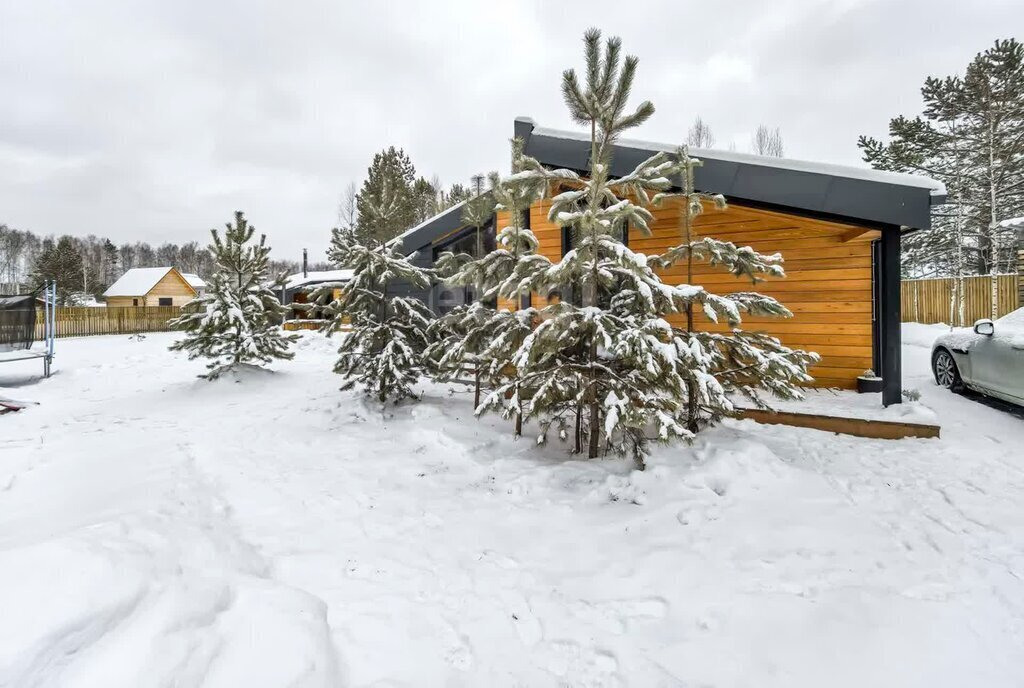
[580, 666]
[526, 624]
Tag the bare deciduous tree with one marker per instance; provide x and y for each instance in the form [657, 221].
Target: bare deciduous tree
[700, 134]
[767, 141]
[347, 213]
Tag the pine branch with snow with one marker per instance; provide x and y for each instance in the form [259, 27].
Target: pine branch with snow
[739, 362]
[481, 337]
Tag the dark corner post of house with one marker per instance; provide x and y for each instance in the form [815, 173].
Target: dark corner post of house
[522, 128]
[892, 373]
[1020, 267]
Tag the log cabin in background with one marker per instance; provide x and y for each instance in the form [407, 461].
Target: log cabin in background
[152, 287]
[838, 229]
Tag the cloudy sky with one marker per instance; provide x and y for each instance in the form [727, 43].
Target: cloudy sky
[154, 120]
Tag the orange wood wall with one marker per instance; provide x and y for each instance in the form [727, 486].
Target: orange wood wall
[827, 284]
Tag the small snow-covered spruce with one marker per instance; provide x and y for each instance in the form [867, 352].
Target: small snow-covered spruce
[717, 364]
[491, 339]
[452, 350]
[384, 351]
[239, 316]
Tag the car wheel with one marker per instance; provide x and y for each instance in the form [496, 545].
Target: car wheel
[946, 373]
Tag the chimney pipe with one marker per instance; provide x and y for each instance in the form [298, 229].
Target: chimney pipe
[305, 263]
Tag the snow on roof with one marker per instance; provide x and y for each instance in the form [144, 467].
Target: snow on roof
[1012, 223]
[137, 282]
[425, 223]
[937, 188]
[193, 279]
[317, 276]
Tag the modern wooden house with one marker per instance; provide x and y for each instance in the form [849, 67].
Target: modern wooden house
[150, 287]
[838, 229]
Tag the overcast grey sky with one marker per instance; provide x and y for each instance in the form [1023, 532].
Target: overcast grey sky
[155, 120]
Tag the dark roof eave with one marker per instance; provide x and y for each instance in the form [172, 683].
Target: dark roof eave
[849, 197]
[432, 229]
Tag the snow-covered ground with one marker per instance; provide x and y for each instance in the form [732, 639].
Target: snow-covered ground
[157, 530]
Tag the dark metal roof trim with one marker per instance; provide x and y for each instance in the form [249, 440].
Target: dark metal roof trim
[788, 184]
[431, 229]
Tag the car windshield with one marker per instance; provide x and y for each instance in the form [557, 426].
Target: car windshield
[1014, 319]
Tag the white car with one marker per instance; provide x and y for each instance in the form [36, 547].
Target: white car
[988, 359]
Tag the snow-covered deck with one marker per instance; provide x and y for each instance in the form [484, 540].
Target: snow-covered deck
[156, 529]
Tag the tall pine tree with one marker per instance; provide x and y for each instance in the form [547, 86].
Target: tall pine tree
[608, 368]
[971, 137]
[62, 261]
[237, 324]
[392, 199]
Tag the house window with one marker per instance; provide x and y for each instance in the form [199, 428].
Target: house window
[572, 293]
[166, 301]
[135, 302]
[464, 242]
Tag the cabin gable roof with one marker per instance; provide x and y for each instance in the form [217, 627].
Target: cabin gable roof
[141, 281]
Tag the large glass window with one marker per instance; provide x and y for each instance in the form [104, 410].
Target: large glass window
[466, 242]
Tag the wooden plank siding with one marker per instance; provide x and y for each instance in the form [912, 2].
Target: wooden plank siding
[827, 284]
[502, 220]
[929, 300]
[172, 286]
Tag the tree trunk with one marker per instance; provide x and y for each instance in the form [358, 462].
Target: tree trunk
[591, 299]
[578, 449]
[595, 409]
[476, 390]
[691, 389]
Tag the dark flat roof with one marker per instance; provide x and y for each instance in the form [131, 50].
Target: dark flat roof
[851, 192]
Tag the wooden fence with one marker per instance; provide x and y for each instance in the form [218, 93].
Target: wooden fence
[928, 300]
[83, 321]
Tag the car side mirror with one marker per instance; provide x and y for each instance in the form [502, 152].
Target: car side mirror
[985, 327]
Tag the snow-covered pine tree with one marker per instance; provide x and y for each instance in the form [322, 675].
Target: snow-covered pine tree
[738, 361]
[385, 350]
[237, 323]
[489, 337]
[595, 363]
[611, 368]
[453, 348]
[386, 204]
